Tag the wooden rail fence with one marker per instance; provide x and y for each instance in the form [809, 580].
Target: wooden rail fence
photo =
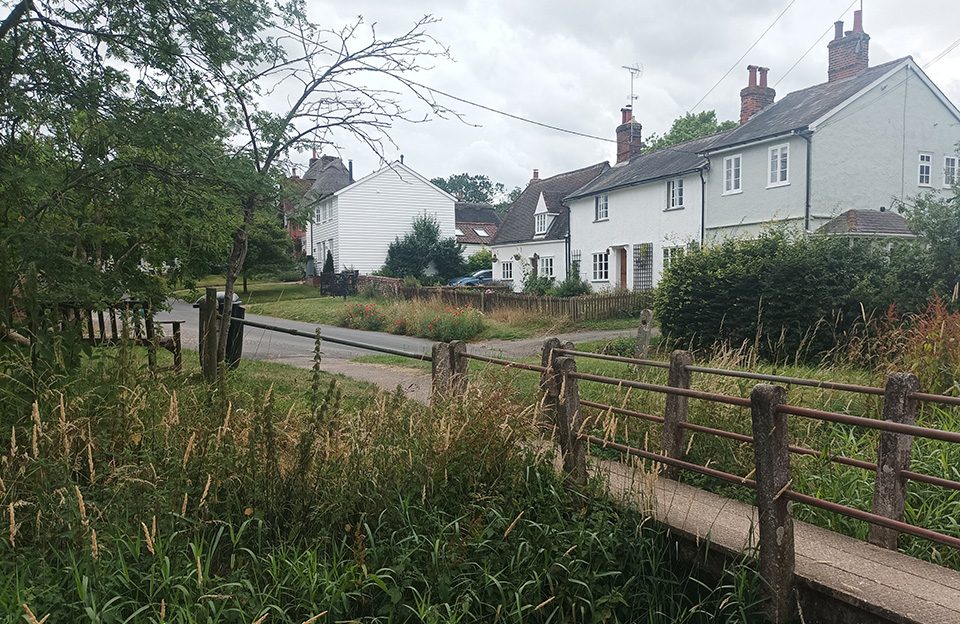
[587, 307]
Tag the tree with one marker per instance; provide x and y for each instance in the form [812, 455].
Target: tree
[344, 80]
[328, 263]
[412, 254]
[936, 221]
[476, 189]
[270, 248]
[688, 127]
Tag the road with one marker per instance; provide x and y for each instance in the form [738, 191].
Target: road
[260, 344]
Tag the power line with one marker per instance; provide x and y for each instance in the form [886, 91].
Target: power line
[947, 51]
[819, 39]
[740, 60]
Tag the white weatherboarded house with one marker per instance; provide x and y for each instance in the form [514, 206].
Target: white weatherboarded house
[358, 222]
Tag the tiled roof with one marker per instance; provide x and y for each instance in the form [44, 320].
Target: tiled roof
[867, 223]
[518, 224]
[472, 236]
[329, 175]
[467, 212]
[667, 162]
[797, 110]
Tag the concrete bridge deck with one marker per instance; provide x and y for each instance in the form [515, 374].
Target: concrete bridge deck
[839, 579]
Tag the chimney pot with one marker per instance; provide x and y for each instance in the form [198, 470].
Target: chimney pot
[763, 75]
[858, 21]
[627, 113]
[754, 98]
[536, 174]
[753, 75]
[838, 30]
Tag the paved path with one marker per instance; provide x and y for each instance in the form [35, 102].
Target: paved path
[898, 587]
[261, 344]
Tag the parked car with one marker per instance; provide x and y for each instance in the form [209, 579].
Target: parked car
[480, 277]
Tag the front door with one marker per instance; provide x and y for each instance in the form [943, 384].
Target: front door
[623, 267]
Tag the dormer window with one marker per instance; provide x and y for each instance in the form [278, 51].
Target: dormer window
[541, 223]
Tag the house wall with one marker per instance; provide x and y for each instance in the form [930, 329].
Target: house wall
[556, 249]
[867, 155]
[637, 215]
[758, 203]
[322, 234]
[376, 210]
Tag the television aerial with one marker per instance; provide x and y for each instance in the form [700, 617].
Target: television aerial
[636, 71]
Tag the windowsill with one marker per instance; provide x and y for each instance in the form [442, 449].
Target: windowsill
[924, 185]
[736, 192]
[601, 220]
[778, 185]
[603, 281]
[674, 208]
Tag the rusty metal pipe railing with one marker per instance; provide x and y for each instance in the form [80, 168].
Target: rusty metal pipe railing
[797, 381]
[695, 394]
[870, 423]
[613, 358]
[506, 363]
[935, 398]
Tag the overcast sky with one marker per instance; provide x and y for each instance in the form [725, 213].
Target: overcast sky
[560, 63]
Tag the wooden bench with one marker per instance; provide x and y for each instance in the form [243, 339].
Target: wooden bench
[130, 320]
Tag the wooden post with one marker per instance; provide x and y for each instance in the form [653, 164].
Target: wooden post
[177, 348]
[893, 457]
[642, 349]
[459, 368]
[675, 414]
[550, 392]
[442, 372]
[569, 419]
[208, 335]
[772, 454]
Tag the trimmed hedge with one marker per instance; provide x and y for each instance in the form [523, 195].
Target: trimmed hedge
[793, 296]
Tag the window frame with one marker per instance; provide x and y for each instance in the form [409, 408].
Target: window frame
[780, 167]
[601, 267]
[598, 202]
[949, 180]
[733, 181]
[675, 194]
[506, 270]
[925, 164]
[543, 263]
[540, 223]
[671, 253]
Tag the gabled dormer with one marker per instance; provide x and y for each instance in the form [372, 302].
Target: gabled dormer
[542, 218]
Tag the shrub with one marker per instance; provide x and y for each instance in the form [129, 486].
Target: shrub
[536, 285]
[328, 263]
[573, 284]
[480, 261]
[792, 297]
[361, 316]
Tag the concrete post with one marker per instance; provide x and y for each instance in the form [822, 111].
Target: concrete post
[893, 457]
[208, 335]
[772, 453]
[441, 372]
[459, 368]
[675, 414]
[550, 392]
[570, 421]
[642, 349]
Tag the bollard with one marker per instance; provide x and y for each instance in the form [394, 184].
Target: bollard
[642, 348]
[893, 457]
[772, 454]
[441, 372]
[675, 414]
[459, 368]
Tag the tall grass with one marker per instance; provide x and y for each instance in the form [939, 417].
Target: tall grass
[276, 496]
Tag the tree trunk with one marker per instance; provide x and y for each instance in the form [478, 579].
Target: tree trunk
[234, 265]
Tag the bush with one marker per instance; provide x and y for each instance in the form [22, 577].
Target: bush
[480, 261]
[361, 316]
[328, 263]
[792, 297]
[573, 284]
[537, 285]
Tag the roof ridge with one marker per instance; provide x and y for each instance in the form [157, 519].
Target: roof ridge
[575, 171]
[857, 75]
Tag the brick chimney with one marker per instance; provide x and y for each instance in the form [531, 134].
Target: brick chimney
[628, 136]
[849, 51]
[535, 178]
[755, 97]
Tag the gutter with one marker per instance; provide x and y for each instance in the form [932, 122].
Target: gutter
[764, 139]
[610, 189]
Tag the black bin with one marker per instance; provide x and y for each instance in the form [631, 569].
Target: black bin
[235, 334]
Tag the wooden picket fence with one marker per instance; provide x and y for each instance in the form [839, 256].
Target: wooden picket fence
[576, 308]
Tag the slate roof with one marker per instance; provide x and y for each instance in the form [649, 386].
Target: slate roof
[662, 163]
[867, 223]
[797, 110]
[519, 223]
[329, 175]
[467, 212]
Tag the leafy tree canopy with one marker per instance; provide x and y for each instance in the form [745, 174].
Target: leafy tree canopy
[412, 254]
[688, 127]
[936, 220]
[478, 189]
